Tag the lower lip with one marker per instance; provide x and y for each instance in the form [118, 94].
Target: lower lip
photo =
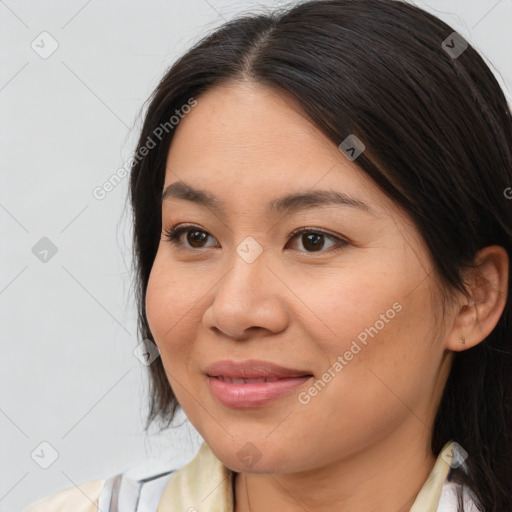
[252, 394]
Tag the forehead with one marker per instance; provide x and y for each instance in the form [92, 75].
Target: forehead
[241, 119]
[255, 140]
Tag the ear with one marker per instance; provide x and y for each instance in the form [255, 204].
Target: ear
[474, 320]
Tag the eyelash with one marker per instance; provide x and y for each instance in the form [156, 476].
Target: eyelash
[173, 234]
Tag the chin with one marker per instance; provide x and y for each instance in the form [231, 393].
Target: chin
[259, 457]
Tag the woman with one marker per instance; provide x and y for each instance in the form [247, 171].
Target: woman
[322, 235]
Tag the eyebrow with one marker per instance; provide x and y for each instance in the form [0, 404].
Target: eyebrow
[286, 204]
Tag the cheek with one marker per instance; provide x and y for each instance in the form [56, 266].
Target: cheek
[373, 319]
[349, 303]
[166, 306]
[388, 357]
[166, 312]
[167, 300]
[370, 388]
[156, 299]
[174, 310]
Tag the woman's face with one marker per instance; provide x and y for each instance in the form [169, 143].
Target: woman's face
[349, 304]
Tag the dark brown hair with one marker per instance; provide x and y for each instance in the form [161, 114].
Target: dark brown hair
[438, 133]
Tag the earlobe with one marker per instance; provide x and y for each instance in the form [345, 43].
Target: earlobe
[487, 284]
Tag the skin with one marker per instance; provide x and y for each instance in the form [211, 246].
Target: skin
[370, 426]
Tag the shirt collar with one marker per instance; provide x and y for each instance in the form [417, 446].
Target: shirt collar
[206, 484]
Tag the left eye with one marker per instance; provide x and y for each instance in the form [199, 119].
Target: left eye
[313, 240]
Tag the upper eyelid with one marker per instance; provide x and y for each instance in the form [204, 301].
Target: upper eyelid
[186, 227]
[313, 230]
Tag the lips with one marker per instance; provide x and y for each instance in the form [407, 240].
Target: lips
[240, 372]
[252, 383]
[247, 381]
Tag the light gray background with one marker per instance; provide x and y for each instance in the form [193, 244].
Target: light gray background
[68, 375]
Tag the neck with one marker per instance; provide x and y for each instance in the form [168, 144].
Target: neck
[383, 477]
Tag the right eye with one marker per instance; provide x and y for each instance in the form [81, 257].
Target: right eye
[195, 236]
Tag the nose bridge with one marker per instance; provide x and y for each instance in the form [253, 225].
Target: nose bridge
[248, 294]
[249, 263]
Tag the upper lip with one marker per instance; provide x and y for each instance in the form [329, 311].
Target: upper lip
[252, 369]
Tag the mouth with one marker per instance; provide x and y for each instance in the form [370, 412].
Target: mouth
[255, 392]
[252, 369]
[252, 383]
[233, 380]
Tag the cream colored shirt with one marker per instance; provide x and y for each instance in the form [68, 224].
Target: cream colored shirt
[206, 485]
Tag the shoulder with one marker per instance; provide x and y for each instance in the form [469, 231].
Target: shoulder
[83, 498]
[142, 484]
[449, 498]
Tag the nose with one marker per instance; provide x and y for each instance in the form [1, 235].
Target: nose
[249, 297]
